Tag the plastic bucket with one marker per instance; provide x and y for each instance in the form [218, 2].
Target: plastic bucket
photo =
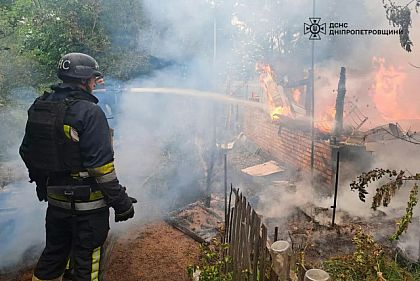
[316, 275]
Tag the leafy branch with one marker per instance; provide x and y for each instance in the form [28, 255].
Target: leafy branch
[400, 16]
[403, 223]
[386, 191]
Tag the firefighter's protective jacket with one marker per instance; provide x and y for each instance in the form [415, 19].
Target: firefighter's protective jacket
[75, 148]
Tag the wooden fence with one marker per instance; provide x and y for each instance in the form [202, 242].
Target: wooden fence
[248, 242]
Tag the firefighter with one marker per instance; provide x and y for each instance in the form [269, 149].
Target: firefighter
[67, 149]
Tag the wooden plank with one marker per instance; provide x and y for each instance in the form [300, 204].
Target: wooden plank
[265, 169]
[257, 247]
[247, 255]
[231, 225]
[246, 262]
[263, 255]
[248, 220]
[242, 239]
[245, 238]
[234, 236]
[252, 231]
[248, 243]
[252, 242]
[233, 229]
[227, 224]
[231, 232]
[186, 231]
[236, 249]
[248, 240]
[228, 217]
[229, 241]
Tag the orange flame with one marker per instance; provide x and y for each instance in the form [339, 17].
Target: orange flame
[297, 95]
[326, 124]
[269, 85]
[277, 112]
[387, 89]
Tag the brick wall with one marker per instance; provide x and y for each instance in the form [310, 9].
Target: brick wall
[291, 146]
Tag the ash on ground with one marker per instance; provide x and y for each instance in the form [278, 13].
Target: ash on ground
[198, 221]
[284, 200]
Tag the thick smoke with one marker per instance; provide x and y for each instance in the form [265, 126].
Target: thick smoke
[21, 215]
[164, 144]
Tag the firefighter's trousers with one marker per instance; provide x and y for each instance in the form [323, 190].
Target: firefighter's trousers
[84, 234]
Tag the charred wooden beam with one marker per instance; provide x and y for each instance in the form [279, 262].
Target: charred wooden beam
[339, 104]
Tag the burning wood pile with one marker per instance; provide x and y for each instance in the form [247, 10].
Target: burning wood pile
[289, 104]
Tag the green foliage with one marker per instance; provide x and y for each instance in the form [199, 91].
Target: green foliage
[386, 191]
[403, 223]
[368, 262]
[35, 34]
[126, 56]
[400, 16]
[48, 29]
[214, 264]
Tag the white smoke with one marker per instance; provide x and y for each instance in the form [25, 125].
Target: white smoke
[182, 32]
[22, 221]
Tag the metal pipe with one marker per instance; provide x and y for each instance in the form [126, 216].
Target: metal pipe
[214, 38]
[334, 207]
[276, 234]
[226, 206]
[313, 103]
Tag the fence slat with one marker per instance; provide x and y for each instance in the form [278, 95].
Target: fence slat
[257, 227]
[251, 231]
[242, 238]
[248, 241]
[233, 232]
[229, 241]
[236, 254]
[247, 238]
[263, 246]
[230, 225]
[233, 228]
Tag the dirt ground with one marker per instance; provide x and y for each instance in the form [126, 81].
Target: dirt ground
[155, 252]
[158, 252]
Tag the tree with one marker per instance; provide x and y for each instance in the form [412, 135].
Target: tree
[400, 16]
[48, 29]
[35, 34]
[16, 69]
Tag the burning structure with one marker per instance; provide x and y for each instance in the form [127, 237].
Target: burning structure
[170, 135]
[286, 132]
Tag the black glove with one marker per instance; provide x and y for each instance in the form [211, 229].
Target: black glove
[41, 192]
[41, 183]
[127, 214]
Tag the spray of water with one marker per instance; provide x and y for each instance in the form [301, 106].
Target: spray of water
[213, 96]
[164, 136]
